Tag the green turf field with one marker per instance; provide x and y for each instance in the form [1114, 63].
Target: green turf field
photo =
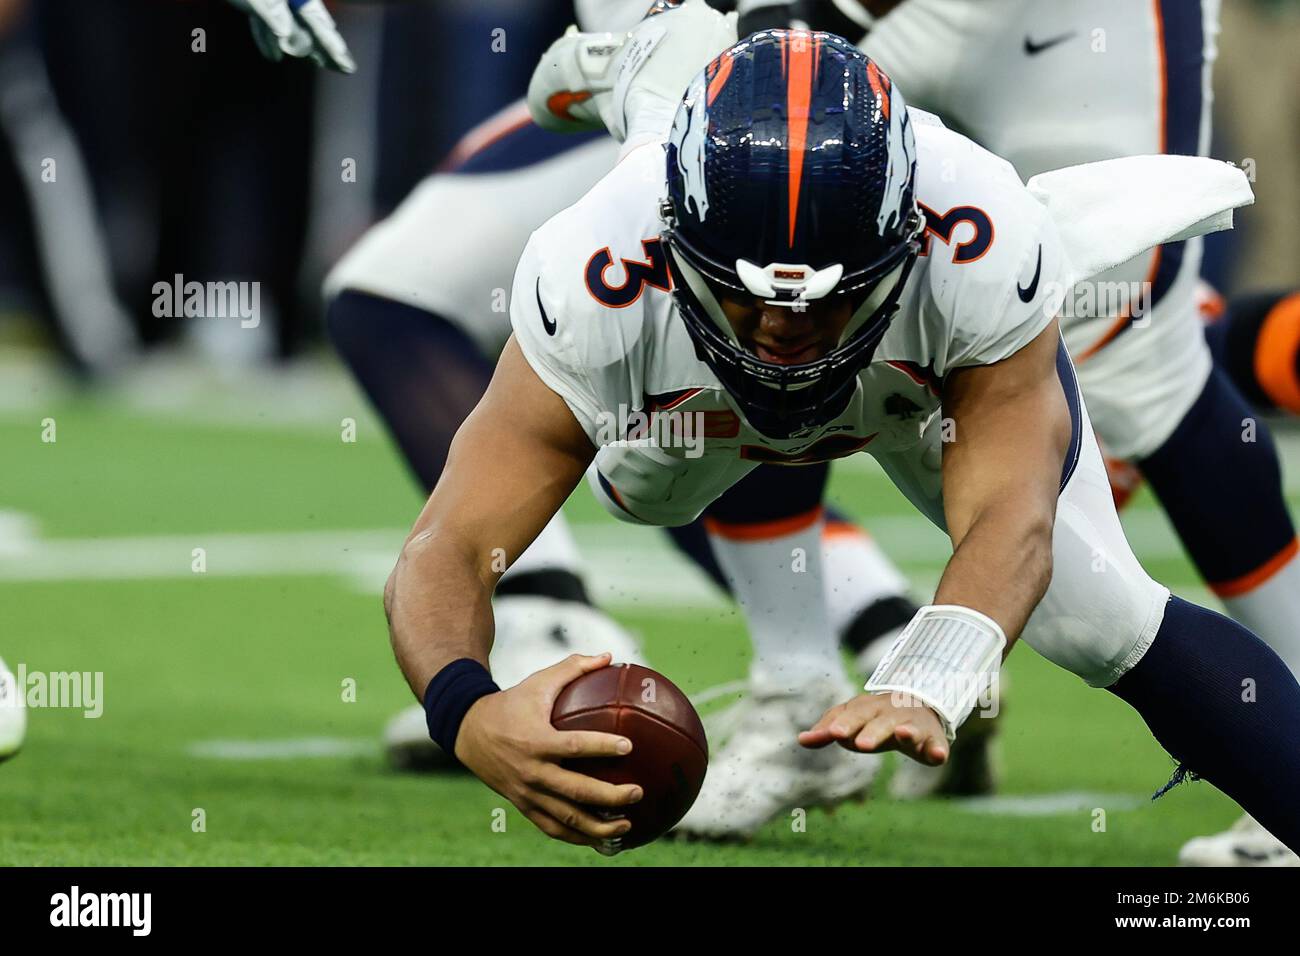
[224, 691]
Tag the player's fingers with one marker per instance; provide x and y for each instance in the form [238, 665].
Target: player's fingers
[555, 829]
[910, 741]
[926, 747]
[299, 44]
[326, 34]
[580, 820]
[268, 44]
[936, 750]
[816, 738]
[587, 743]
[558, 676]
[875, 735]
[588, 790]
[856, 715]
[819, 734]
[275, 14]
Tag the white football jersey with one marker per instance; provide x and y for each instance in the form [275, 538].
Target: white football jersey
[593, 312]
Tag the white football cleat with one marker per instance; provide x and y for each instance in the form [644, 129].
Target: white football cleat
[1245, 843]
[13, 714]
[761, 772]
[532, 633]
[584, 80]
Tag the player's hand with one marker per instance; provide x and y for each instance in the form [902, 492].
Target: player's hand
[872, 723]
[507, 740]
[300, 28]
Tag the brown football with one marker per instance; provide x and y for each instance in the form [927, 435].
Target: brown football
[669, 750]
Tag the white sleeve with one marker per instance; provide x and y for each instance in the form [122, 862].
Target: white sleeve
[546, 332]
[1006, 303]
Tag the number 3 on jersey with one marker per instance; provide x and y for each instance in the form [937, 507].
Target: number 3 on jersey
[653, 271]
[945, 227]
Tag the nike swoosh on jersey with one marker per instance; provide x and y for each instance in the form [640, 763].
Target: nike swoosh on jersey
[1027, 294]
[551, 326]
[1033, 49]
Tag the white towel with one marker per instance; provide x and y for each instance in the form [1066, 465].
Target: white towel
[1110, 211]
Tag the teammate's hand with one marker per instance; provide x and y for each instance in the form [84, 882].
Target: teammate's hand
[871, 723]
[300, 28]
[507, 740]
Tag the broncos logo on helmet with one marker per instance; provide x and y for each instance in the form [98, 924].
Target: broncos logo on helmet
[690, 150]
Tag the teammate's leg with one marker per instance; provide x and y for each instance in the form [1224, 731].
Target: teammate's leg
[866, 595]
[418, 308]
[766, 531]
[1255, 339]
[424, 376]
[1244, 545]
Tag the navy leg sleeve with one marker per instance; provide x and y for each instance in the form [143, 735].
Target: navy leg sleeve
[1227, 708]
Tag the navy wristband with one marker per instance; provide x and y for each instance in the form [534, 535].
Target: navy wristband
[449, 696]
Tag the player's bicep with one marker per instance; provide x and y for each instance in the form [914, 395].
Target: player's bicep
[514, 461]
[1011, 429]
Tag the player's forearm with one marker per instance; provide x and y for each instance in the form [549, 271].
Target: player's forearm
[1003, 564]
[439, 605]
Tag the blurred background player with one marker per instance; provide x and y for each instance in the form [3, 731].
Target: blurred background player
[54, 262]
[419, 312]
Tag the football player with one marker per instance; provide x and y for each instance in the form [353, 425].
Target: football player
[1051, 85]
[418, 311]
[796, 338]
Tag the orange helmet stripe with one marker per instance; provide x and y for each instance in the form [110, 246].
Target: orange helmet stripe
[799, 79]
[721, 70]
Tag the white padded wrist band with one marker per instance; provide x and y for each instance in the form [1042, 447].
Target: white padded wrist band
[945, 659]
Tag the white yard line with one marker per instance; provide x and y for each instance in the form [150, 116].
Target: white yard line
[627, 567]
[1048, 804]
[290, 749]
[625, 570]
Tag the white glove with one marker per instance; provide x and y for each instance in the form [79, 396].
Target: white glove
[300, 28]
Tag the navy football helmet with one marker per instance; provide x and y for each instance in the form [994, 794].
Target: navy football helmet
[791, 167]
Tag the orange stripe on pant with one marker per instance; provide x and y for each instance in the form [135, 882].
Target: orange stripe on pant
[1275, 354]
[1249, 582]
[763, 530]
[835, 530]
